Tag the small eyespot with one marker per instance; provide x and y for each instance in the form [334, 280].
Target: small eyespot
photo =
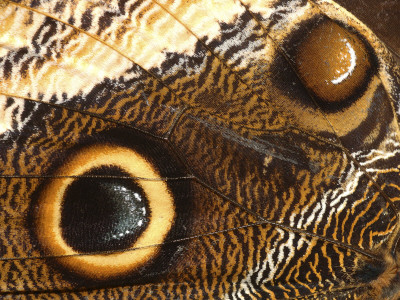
[333, 63]
[102, 206]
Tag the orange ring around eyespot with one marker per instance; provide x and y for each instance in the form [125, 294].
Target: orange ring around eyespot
[105, 266]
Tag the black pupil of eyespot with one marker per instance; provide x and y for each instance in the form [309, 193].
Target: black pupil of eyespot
[103, 213]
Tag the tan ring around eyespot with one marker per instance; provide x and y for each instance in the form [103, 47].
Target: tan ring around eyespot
[105, 266]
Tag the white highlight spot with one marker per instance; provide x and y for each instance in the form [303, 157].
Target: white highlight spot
[137, 196]
[353, 59]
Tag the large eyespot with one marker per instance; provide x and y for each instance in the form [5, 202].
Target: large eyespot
[333, 63]
[112, 200]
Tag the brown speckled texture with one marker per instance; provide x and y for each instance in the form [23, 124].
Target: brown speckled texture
[262, 188]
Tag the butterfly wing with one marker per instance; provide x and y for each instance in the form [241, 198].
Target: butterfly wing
[245, 176]
[386, 12]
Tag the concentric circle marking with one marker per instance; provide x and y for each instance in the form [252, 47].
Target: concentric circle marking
[105, 266]
[333, 62]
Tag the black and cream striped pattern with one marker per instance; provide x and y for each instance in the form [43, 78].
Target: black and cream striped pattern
[276, 196]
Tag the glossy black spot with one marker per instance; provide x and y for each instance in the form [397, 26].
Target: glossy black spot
[103, 213]
[167, 163]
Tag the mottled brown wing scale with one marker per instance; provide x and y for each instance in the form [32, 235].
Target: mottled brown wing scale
[275, 192]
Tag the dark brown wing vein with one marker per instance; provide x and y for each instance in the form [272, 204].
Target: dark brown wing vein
[248, 211]
[396, 234]
[83, 112]
[286, 227]
[98, 176]
[394, 208]
[261, 223]
[95, 38]
[344, 149]
[158, 79]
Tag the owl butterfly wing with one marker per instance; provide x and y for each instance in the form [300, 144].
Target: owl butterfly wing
[203, 149]
[386, 12]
